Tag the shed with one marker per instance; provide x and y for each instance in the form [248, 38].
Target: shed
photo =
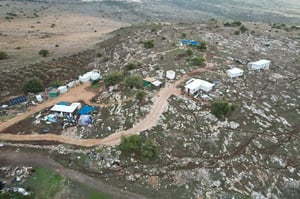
[170, 74]
[63, 108]
[189, 42]
[149, 82]
[54, 92]
[235, 72]
[62, 89]
[194, 85]
[258, 65]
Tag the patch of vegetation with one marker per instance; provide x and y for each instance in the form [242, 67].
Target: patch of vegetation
[134, 81]
[45, 183]
[131, 66]
[189, 52]
[113, 78]
[44, 52]
[221, 108]
[3, 55]
[33, 85]
[141, 147]
[237, 32]
[243, 29]
[202, 45]
[56, 83]
[140, 95]
[198, 61]
[233, 24]
[149, 44]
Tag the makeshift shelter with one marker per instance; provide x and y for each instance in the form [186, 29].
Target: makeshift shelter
[17, 100]
[86, 109]
[86, 77]
[85, 120]
[235, 72]
[258, 65]
[194, 85]
[170, 74]
[54, 92]
[149, 82]
[62, 89]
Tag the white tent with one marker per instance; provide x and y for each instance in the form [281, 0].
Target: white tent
[85, 120]
[235, 72]
[170, 74]
[85, 77]
[71, 84]
[62, 89]
[258, 65]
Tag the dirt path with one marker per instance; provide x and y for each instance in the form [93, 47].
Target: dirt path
[80, 93]
[8, 157]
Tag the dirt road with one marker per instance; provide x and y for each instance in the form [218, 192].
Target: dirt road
[8, 157]
[151, 120]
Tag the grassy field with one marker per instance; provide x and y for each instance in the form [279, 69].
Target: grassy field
[47, 184]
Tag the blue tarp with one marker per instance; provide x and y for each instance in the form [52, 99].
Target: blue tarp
[17, 100]
[86, 109]
[189, 42]
[63, 103]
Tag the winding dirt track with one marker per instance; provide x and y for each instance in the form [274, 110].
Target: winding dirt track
[81, 93]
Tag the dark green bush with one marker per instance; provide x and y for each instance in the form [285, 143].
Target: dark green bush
[199, 61]
[134, 81]
[143, 148]
[3, 55]
[140, 95]
[33, 85]
[113, 78]
[44, 52]
[149, 44]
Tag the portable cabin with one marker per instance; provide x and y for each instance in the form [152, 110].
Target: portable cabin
[235, 72]
[259, 65]
[149, 82]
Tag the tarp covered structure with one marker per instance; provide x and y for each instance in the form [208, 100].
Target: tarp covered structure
[85, 110]
[85, 120]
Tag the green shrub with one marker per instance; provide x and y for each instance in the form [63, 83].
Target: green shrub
[134, 81]
[44, 52]
[243, 29]
[222, 108]
[131, 66]
[189, 52]
[57, 83]
[143, 148]
[202, 45]
[33, 85]
[149, 44]
[113, 78]
[140, 95]
[237, 32]
[199, 61]
[3, 55]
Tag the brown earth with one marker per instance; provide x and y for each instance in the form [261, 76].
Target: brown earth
[61, 33]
